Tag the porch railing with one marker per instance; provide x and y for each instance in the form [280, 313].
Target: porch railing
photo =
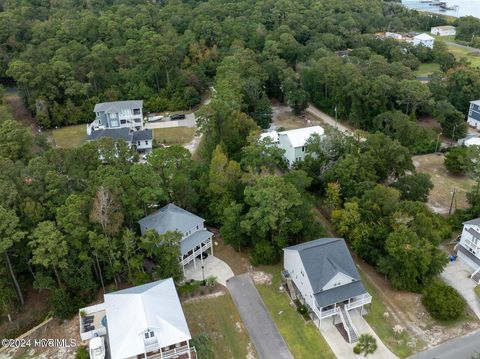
[206, 245]
[364, 299]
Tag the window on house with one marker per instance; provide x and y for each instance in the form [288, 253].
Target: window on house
[138, 120]
[303, 149]
[138, 143]
[123, 122]
[146, 142]
[114, 123]
[136, 111]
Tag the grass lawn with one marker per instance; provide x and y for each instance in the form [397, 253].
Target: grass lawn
[303, 339]
[459, 52]
[427, 69]
[174, 135]
[219, 318]
[70, 136]
[440, 197]
[477, 291]
[383, 327]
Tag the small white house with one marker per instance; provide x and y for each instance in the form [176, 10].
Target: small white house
[393, 35]
[473, 141]
[322, 275]
[446, 30]
[423, 39]
[272, 135]
[146, 321]
[468, 249]
[473, 118]
[294, 142]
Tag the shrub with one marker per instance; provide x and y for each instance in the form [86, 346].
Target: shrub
[443, 302]
[203, 346]
[263, 253]
[211, 281]
[367, 344]
[301, 308]
[82, 353]
[65, 305]
[457, 160]
[357, 349]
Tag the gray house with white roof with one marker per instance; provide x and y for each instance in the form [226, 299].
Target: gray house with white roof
[468, 249]
[322, 275]
[117, 114]
[196, 239]
[473, 118]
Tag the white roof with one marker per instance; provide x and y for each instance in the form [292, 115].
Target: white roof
[444, 27]
[476, 102]
[273, 135]
[424, 37]
[475, 141]
[153, 306]
[117, 106]
[299, 137]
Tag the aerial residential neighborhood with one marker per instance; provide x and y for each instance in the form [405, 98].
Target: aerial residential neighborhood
[248, 179]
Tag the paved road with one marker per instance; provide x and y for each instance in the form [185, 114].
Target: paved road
[473, 49]
[459, 348]
[263, 331]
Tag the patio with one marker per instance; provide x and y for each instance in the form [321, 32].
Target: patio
[457, 274]
[212, 266]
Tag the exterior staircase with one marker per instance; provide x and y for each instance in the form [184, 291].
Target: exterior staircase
[476, 276]
[348, 325]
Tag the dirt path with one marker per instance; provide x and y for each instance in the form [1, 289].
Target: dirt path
[329, 120]
[20, 113]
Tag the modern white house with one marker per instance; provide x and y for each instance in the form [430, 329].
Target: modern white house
[473, 118]
[196, 239]
[293, 142]
[146, 321]
[423, 39]
[118, 114]
[468, 249]
[322, 276]
[446, 30]
[141, 140]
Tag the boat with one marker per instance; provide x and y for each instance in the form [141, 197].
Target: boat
[96, 348]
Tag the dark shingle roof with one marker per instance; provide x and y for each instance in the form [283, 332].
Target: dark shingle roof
[142, 135]
[323, 259]
[115, 133]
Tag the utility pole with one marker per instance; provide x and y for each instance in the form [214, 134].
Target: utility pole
[336, 120]
[451, 203]
[438, 140]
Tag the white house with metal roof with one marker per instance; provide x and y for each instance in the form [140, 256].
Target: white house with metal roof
[146, 321]
[322, 275]
[445, 30]
[117, 114]
[473, 118]
[293, 142]
[423, 39]
[468, 249]
[196, 239]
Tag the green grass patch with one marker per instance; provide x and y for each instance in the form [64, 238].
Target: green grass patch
[477, 290]
[189, 287]
[173, 135]
[70, 136]
[303, 339]
[472, 56]
[219, 318]
[384, 326]
[427, 69]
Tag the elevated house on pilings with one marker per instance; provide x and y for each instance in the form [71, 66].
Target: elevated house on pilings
[321, 274]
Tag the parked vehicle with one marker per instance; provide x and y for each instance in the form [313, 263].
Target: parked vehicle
[96, 348]
[204, 255]
[177, 117]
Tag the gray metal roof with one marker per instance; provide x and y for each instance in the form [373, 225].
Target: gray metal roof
[470, 255]
[339, 294]
[142, 135]
[323, 259]
[475, 222]
[115, 133]
[117, 106]
[194, 240]
[170, 218]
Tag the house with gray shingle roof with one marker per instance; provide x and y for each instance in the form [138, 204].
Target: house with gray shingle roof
[196, 239]
[141, 140]
[321, 274]
[468, 249]
[117, 114]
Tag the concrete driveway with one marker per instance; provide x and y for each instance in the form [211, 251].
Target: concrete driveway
[189, 121]
[213, 266]
[344, 350]
[457, 274]
[260, 326]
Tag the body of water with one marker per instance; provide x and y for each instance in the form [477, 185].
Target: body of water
[465, 7]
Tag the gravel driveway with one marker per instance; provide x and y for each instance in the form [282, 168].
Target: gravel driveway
[263, 331]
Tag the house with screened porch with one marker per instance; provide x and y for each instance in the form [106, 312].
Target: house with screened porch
[196, 239]
[322, 276]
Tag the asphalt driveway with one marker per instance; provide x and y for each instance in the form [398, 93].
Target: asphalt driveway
[263, 331]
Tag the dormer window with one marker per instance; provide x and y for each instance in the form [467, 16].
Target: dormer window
[149, 334]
